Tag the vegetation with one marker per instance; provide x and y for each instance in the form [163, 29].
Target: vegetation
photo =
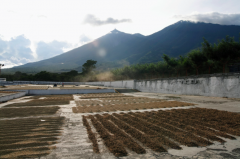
[88, 66]
[174, 40]
[41, 76]
[73, 75]
[210, 58]
[205, 60]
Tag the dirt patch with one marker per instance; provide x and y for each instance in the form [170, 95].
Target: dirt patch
[110, 141]
[19, 138]
[119, 102]
[53, 97]
[91, 135]
[103, 107]
[102, 95]
[174, 97]
[162, 130]
[40, 102]
[24, 112]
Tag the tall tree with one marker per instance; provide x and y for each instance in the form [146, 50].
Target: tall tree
[225, 51]
[198, 59]
[88, 66]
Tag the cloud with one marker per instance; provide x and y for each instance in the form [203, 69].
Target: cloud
[47, 50]
[214, 17]
[84, 39]
[20, 47]
[7, 64]
[42, 16]
[3, 46]
[92, 20]
[16, 51]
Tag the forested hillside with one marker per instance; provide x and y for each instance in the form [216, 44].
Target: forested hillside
[117, 48]
[206, 60]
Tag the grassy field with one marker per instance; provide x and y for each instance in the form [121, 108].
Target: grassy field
[162, 130]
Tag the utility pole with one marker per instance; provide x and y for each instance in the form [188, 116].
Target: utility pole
[1, 65]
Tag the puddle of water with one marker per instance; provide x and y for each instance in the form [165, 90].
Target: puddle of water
[229, 145]
[186, 151]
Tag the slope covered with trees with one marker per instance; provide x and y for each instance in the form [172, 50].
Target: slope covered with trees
[71, 76]
[108, 50]
[210, 58]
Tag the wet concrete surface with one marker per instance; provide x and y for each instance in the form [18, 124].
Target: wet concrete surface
[74, 142]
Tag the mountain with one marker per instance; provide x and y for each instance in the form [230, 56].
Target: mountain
[116, 47]
[138, 34]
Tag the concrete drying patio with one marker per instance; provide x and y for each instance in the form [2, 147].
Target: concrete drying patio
[74, 141]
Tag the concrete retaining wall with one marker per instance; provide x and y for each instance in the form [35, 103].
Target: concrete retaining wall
[95, 83]
[67, 91]
[12, 96]
[216, 85]
[116, 84]
[219, 86]
[39, 83]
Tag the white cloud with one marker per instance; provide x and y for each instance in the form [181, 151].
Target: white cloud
[47, 50]
[42, 16]
[16, 51]
[214, 17]
[92, 20]
[8, 64]
[84, 39]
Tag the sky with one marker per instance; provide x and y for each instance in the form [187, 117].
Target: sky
[34, 30]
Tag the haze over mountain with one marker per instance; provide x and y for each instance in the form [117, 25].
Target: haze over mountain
[117, 47]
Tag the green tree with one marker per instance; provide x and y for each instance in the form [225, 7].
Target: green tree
[225, 51]
[88, 66]
[43, 76]
[172, 63]
[198, 59]
[209, 63]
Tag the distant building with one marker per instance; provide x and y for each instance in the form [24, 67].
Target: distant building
[2, 79]
[234, 67]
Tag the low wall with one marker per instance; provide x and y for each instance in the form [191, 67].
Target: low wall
[67, 91]
[95, 83]
[116, 84]
[39, 83]
[217, 86]
[12, 96]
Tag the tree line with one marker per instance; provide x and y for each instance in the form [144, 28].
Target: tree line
[71, 76]
[210, 58]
